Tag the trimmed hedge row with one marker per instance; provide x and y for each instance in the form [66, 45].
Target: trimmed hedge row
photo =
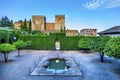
[7, 35]
[4, 35]
[48, 42]
[38, 42]
[85, 43]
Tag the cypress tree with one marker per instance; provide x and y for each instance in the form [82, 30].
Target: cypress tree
[25, 25]
[30, 28]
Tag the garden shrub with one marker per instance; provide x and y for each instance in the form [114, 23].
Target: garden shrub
[98, 45]
[37, 32]
[6, 48]
[85, 43]
[112, 48]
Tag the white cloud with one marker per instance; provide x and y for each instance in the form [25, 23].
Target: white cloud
[95, 4]
[113, 3]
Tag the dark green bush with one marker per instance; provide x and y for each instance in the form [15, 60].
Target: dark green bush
[85, 43]
[112, 48]
[8, 35]
[98, 45]
[6, 48]
[37, 32]
[19, 44]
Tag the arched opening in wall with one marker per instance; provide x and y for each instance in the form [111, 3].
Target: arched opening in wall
[57, 44]
[2, 41]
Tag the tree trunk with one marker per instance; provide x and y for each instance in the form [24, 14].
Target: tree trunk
[18, 52]
[102, 57]
[6, 57]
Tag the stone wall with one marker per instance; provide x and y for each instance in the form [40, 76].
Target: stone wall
[17, 25]
[50, 26]
[71, 32]
[88, 32]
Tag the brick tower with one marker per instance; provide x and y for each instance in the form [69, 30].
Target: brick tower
[59, 22]
[38, 23]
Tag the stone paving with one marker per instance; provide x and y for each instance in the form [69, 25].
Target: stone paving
[92, 69]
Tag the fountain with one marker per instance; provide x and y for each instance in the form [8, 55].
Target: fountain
[56, 64]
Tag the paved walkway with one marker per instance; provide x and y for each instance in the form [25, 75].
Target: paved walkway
[92, 69]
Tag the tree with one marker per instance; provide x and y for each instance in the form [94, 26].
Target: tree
[21, 25]
[25, 25]
[85, 43]
[61, 30]
[0, 23]
[5, 21]
[112, 48]
[11, 24]
[19, 44]
[64, 28]
[98, 45]
[6, 48]
[30, 27]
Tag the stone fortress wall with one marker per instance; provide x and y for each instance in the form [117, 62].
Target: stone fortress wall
[39, 23]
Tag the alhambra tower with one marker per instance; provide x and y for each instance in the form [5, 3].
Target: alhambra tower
[38, 23]
[59, 22]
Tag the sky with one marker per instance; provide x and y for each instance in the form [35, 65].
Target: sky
[80, 14]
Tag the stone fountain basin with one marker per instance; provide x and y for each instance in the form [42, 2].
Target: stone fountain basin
[70, 68]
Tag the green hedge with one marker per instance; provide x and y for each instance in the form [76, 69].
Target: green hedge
[85, 43]
[4, 35]
[48, 42]
[70, 43]
[112, 47]
[8, 35]
[39, 42]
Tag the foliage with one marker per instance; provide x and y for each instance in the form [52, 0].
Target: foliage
[98, 45]
[38, 42]
[5, 21]
[112, 48]
[19, 44]
[5, 49]
[37, 32]
[25, 25]
[85, 42]
[62, 30]
[48, 42]
[70, 43]
[30, 27]
[5, 35]
[16, 33]
[21, 25]
[28, 43]
[9, 36]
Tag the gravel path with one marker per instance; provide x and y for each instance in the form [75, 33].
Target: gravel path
[92, 69]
